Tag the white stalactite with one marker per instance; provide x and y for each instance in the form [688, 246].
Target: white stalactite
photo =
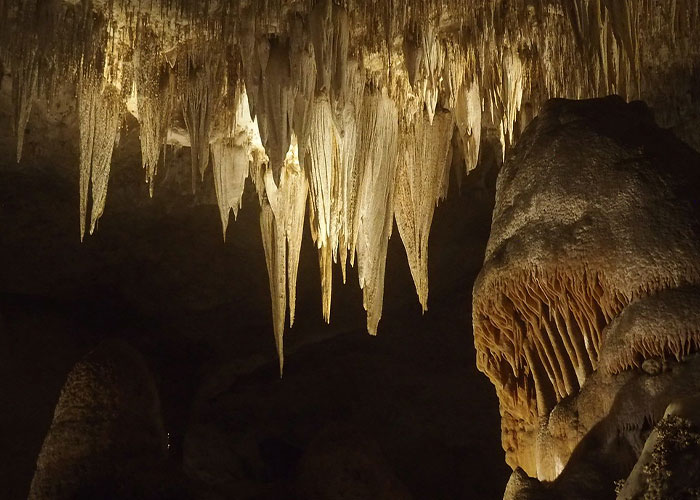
[283, 208]
[467, 114]
[421, 181]
[376, 156]
[233, 156]
[322, 150]
[100, 111]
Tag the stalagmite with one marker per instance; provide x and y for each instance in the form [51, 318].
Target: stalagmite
[107, 438]
[567, 253]
[421, 181]
[376, 159]
[100, 110]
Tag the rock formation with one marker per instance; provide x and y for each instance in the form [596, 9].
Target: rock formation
[351, 81]
[668, 465]
[567, 251]
[107, 438]
[585, 312]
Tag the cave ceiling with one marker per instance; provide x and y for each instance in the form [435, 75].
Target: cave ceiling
[348, 114]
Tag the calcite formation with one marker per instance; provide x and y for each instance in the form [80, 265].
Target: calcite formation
[421, 182]
[107, 431]
[594, 210]
[668, 465]
[663, 326]
[349, 84]
[622, 406]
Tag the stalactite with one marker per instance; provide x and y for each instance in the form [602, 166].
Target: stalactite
[663, 325]
[332, 75]
[330, 36]
[468, 120]
[376, 155]
[100, 110]
[282, 223]
[23, 57]
[230, 172]
[276, 102]
[154, 96]
[201, 84]
[323, 171]
[25, 75]
[232, 158]
[510, 95]
[349, 178]
[421, 181]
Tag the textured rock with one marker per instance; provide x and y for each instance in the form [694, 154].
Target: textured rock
[659, 327]
[669, 465]
[107, 439]
[308, 67]
[595, 208]
[593, 439]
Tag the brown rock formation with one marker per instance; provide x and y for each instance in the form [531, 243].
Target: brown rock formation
[107, 439]
[594, 209]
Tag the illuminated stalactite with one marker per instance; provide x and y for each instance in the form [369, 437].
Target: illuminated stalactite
[100, 111]
[283, 207]
[323, 165]
[233, 157]
[376, 154]
[154, 88]
[421, 181]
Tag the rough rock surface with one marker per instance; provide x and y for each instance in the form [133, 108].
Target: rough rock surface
[596, 207]
[107, 438]
[669, 466]
[591, 441]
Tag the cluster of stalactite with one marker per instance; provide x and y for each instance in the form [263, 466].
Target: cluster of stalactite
[541, 336]
[351, 105]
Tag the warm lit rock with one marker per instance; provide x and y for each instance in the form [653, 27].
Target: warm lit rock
[567, 252]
